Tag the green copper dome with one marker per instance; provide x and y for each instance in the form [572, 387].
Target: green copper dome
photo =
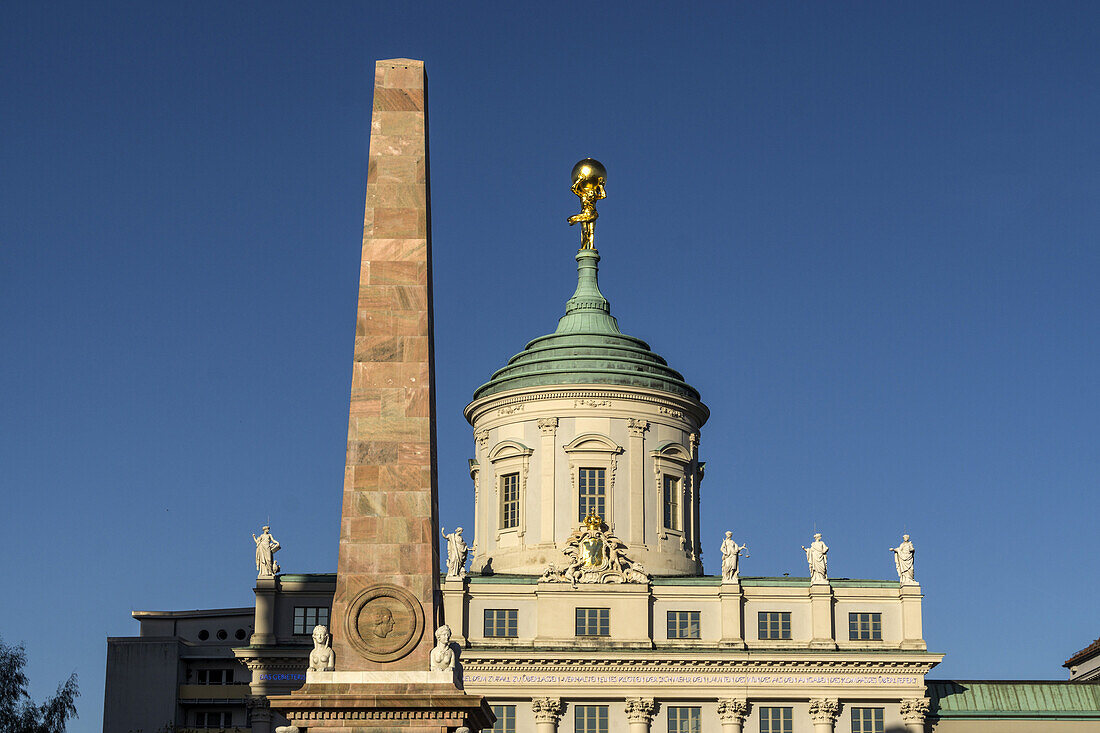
[587, 348]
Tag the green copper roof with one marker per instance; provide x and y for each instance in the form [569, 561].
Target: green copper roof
[587, 348]
[1014, 699]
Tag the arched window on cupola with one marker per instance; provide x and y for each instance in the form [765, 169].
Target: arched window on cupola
[592, 462]
[672, 468]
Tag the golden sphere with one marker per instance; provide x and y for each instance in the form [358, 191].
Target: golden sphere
[590, 172]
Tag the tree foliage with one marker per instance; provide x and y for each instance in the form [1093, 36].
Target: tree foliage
[18, 712]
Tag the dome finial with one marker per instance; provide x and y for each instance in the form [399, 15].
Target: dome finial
[588, 178]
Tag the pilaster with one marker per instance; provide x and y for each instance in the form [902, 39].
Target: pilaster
[637, 428]
[733, 711]
[823, 713]
[548, 712]
[264, 623]
[914, 711]
[548, 426]
[639, 713]
[912, 627]
[731, 598]
[821, 612]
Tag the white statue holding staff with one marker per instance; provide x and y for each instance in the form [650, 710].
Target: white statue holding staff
[903, 560]
[731, 557]
[817, 560]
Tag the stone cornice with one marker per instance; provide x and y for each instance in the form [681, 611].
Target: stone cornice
[509, 403]
[471, 662]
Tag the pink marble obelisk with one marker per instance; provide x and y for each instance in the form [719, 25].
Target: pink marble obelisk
[384, 613]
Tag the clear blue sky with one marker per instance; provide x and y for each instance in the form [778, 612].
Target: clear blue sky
[867, 233]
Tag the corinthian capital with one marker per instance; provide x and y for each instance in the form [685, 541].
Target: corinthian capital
[637, 426]
[548, 425]
[733, 710]
[914, 710]
[824, 710]
[547, 709]
[640, 709]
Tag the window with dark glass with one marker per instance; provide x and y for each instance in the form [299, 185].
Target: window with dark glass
[214, 676]
[590, 718]
[590, 486]
[865, 626]
[506, 719]
[776, 720]
[773, 625]
[683, 624]
[672, 501]
[868, 720]
[213, 719]
[306, 617]
[501, 622]
[509, 500]
[593, 622]
[685, 720]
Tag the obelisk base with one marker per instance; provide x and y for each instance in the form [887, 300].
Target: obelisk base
[395, 705]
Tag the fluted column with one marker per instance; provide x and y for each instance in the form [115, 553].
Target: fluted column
[548, 712]
[639, 713]
[914, 711]
[732, 712]
[824, 712]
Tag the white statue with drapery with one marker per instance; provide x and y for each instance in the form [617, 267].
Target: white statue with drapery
[457, 550]
[731, 557]
[904, 555]
[817, 560]
[266, 547]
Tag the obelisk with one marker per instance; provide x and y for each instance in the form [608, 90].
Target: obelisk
[386, 607]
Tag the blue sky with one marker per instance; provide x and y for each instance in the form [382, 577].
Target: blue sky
[867, 233]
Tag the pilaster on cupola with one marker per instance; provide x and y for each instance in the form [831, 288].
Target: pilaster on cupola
[386, 610]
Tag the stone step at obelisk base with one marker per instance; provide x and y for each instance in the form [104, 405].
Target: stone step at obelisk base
[386, 615]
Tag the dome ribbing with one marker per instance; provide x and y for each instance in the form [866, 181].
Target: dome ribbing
[587, 348]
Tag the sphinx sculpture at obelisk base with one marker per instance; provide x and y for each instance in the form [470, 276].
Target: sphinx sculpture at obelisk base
[386, 611]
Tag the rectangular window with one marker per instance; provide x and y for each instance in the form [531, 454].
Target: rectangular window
[590, 718]
[210, 719]
[685, 720]
[306, 617]
[590, 483]
[509, 500]
[593, 622]
[506, 718]
[776, 720]
[501, 622]
[683, 625]
[865, 626]
[868, 720]
[672, 502]
[214, 676]
[773, 625]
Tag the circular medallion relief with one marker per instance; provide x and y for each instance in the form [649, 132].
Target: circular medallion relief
[384, 622]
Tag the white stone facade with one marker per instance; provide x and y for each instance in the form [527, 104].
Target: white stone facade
[546, 435]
